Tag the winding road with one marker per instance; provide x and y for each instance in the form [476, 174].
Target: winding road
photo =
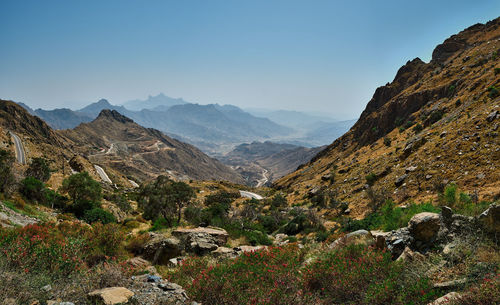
[102, 174]
[20, 154]
[251, 195]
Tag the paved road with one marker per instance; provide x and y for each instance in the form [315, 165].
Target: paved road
[102, 174]
[20, 154]
[251, 195]
[264, 179]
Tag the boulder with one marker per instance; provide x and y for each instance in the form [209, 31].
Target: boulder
[424, 226]
[360, 237]
[218, 236]
[492, 116]
[459, 283]
[400, 180]
[447, 299]
[159, 249]
[138, 263]
[224, 252]
[409, 256]
[242, 249]
[490, 219]
[112, 295]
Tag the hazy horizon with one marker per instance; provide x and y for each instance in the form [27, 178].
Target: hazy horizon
[323, 57]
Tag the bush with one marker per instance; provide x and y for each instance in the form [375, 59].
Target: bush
[80, 207]
[33, 189]
[60, 250]
[418, 128]
[193, 214]
[493, 92]
[387, 141]
[360, 275]
[279, 201]
[450, 194]
[162, 223]
[371, 178]
[98, 215]
[487, 292]
[6, 176]
[81, 187]
[389, 217]
[436, 116]
[39, 169]
[497, 71]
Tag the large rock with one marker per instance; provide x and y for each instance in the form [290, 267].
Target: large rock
[219, 236]
[490, 219]
[159, 249]
[112, 295]
[424, 226]
[360, 237]
[448, 299]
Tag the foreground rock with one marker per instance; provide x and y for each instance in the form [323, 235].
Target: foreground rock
[424, 227]
[448, 299]
[112, 295]
[360, 237]
[201, 240]
[490, 219]
[153, 290]
[160, 249]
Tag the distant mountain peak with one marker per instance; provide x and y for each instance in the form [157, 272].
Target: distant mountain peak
[114, 115]
[103, 101]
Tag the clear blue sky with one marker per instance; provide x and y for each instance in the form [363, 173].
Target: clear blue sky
[326, 56]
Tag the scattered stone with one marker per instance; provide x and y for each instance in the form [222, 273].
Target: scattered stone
[360, 237]
[138, 262]
[249, 248]
[424, 226]
[428, 177]
[492, 116]
[447, 299]
[451, 284]
[400, 180]
[327, 177]
[481, 176]
[46, 288]
[153, 279]
[409, 256]
[411, 169]
[112, 295]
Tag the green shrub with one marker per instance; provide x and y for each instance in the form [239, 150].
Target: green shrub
[436, 116]
[193, 214]
[497, 71]
[360, 275]
[371, 178]
[162, 223]
[388, 217]
[7, 180]
[39, 169]
[81, 187]
[98, 215]
[387, 141]
[493, 92]
[80, 207]
[418, 128]
[33, 189]
[279, 201]
[450, 194]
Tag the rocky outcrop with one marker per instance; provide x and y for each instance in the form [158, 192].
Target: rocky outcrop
[199, 235]
[152, 290]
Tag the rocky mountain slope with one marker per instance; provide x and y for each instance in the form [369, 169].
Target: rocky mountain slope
[435, 123]
[116, 141]
[263, 162]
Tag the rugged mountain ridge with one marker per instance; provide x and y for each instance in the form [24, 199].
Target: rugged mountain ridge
[117, 142]
[434, 123]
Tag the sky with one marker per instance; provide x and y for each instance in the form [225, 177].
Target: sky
[319, 56]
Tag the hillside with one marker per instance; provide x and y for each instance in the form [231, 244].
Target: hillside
[434, 124]
[263, 162]
[142, 153]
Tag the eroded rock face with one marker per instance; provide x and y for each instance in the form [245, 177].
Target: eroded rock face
[424, 226]
[490, 219]
[112, 295]
[360, 237]
[160, 249]
[218, 236]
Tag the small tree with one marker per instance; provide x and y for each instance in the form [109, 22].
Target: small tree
[81, 187]
[165, 197]
[33, 189]
[39, 169]
[6, 176]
